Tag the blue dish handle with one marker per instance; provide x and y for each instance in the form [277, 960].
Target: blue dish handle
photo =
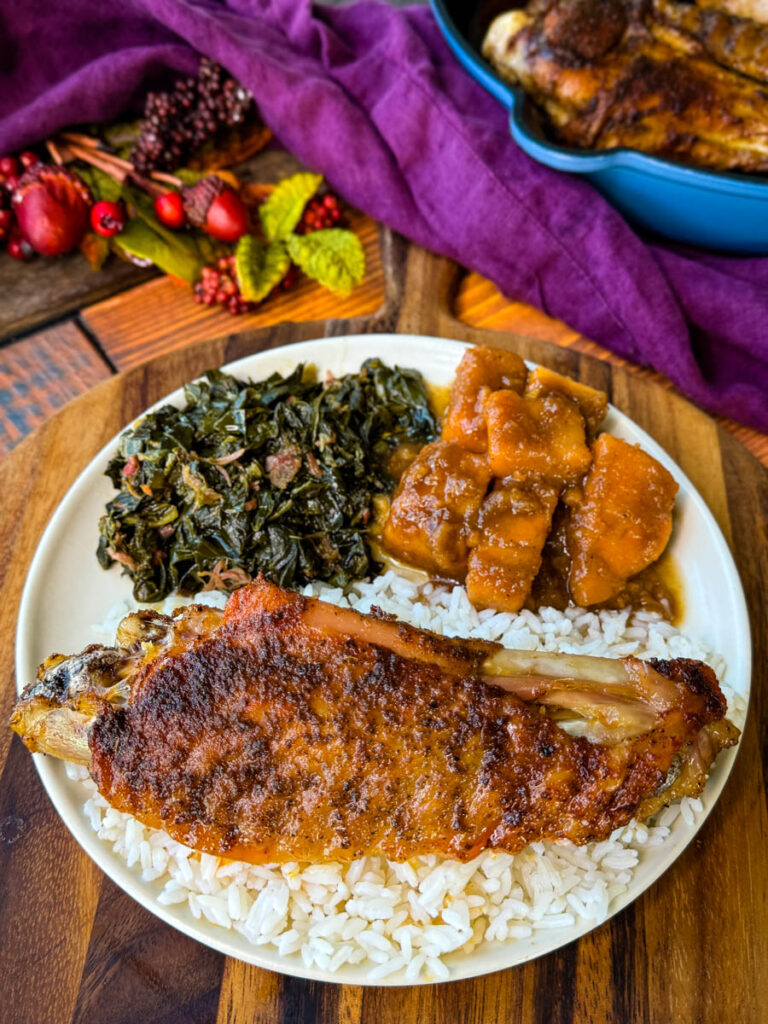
[469, 59]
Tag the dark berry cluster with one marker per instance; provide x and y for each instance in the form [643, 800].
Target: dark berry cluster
[177, 123]
[11, 170]
[320, 212]
[218, 287]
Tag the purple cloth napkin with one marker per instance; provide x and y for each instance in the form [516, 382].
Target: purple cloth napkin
[371, 97]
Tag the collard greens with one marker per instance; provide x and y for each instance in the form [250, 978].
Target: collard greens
[272, 477]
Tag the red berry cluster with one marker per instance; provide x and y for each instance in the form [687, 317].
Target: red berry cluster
[11, 170]
[320, 212]
[218, 287]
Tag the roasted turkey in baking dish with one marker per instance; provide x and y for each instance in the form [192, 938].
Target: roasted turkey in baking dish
[680, 80]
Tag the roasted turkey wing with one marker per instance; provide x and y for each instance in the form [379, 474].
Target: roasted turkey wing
[288, 729]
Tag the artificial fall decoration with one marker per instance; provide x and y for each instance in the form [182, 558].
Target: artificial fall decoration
[108, 217]
[51, 205]
[215, 207]
[169, 210]
[122, 189]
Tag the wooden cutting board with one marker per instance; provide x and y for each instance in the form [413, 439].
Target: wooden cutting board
[73, 947]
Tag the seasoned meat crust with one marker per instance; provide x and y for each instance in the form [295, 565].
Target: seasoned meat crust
[675, 79]
[295, 731]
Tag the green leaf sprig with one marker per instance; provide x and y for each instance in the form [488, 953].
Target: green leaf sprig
[260, 268]
[334, 257]
[282, 209]
[179, 253]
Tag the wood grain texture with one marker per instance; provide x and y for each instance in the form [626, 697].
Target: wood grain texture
[125, 970]
[693, 948]
[40, 374]
[44, 290]
[480, 304]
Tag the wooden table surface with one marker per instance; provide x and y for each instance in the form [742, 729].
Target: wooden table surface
[73, 947]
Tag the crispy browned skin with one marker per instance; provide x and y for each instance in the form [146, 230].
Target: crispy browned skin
[756, 10]
[739, 42]
[296, 731]
[660, 77]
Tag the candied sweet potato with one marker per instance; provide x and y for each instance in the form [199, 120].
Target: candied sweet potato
[623, 523]
[536, 439]
[593, 404]
[481, 371]
[512, 529]
[435, 507]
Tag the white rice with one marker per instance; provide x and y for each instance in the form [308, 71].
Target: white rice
[410, 917]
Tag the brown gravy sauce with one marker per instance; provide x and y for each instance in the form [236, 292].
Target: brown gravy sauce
[439, 396]
[659, 588]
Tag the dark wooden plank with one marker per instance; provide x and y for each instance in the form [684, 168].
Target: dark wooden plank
[46, 289]
[40, 374]
[143, 970]
[48, 895]
[249, 995]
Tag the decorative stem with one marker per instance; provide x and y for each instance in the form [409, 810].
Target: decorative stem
[100, 160]
[114, 166]
[55, 152]
[85, 148]
[171, 179]
[81, 140]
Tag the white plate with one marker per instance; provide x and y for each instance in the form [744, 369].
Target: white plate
[66, 592]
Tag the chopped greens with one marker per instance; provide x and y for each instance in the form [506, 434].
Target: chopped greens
[274, 477]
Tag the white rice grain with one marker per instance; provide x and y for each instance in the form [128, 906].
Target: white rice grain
[407, 917]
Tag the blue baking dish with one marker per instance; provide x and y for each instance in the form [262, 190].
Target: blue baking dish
[713, 209]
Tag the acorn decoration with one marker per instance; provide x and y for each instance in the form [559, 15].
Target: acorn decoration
[215, 207]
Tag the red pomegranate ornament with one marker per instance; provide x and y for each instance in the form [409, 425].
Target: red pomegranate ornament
[215, 207]
[51, 206]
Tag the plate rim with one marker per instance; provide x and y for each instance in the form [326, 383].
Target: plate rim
[219, 939]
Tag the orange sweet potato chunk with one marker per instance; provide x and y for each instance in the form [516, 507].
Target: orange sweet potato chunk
[623, 523]
[536, 439]
[513, 525]
[593, 404]
[434, 509]
[481, 371]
